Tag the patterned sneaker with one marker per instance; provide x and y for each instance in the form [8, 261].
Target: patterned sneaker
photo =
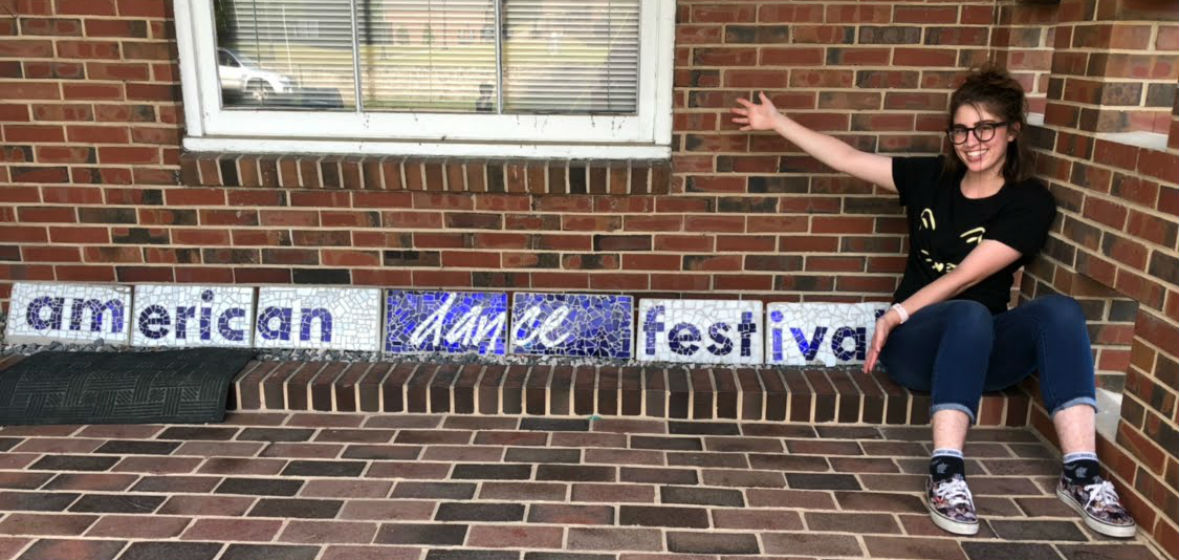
[1099, 506]
[951, 506]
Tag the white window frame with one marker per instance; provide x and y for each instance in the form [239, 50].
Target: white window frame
[646, 135]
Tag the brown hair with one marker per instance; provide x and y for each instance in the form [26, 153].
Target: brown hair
[992, 88]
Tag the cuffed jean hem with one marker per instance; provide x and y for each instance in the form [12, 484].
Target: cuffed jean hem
[1074, 402]
[954, 406]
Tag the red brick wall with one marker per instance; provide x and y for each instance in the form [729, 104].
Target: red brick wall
[1113, 67]
[93, 185]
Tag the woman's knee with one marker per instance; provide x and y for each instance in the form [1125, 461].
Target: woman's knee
[1059, 310]
[968, 317]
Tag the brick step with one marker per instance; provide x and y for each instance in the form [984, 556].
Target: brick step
[815, 395]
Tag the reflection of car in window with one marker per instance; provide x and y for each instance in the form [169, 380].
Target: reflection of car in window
[243, 76]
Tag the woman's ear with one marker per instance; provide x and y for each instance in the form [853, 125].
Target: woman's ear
[1013, 131]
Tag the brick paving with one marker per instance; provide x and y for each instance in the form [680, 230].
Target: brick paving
[331, 486]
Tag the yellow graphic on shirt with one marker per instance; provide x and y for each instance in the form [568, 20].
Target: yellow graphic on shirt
[937, 266]
[927, 218]
[971, 237]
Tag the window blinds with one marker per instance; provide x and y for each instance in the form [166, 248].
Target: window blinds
[477, 56]
[306, 42]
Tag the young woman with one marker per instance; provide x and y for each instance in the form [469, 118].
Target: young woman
[975, 215]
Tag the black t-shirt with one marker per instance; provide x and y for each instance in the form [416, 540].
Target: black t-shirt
[945, 226]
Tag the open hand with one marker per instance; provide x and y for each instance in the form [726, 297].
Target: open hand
[760, 116]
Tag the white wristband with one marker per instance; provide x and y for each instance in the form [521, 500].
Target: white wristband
[901, 312]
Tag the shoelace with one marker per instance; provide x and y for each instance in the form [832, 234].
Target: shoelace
[955, 492]
[1102, 492]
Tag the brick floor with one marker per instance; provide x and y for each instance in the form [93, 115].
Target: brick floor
[344, 486]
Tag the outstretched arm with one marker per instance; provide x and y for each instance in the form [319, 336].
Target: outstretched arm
[874, 168]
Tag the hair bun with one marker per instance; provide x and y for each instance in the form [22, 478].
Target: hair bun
[992, 74]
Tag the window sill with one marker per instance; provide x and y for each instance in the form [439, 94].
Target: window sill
[428, 149]
[1149, 140]
[1141, 139]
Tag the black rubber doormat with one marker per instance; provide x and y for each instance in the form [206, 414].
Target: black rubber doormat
[170, 386]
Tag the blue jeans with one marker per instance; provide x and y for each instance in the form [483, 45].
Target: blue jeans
[957, 349]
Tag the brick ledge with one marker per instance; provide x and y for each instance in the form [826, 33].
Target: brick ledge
[424, 174]
[830, 395]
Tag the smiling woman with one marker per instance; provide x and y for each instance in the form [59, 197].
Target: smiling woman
[440, 77]
[975, 217]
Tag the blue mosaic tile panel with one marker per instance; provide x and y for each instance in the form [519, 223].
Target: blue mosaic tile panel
[828, 334]
[699, 331]
[447, 322]
[182, 315]
[74, 313]
[588, 325]
[318, 318]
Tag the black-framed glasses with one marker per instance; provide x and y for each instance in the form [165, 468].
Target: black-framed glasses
[983, 131]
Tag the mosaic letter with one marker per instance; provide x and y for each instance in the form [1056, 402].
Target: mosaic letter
[701, 331]
[76, 313]
[572, 325]
[185, 316]
[447, 322]
[319, 318]
[819, 333]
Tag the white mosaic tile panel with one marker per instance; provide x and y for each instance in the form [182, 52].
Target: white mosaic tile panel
[77, 313]
[826, 334]
[318, 318]
[699, 331]
[182, 315]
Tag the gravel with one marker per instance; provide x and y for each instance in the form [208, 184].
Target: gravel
[312, 355]
[308, 355]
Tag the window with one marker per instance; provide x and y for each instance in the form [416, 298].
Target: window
[490, 78]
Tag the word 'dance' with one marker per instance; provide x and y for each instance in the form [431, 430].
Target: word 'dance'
[450, 322]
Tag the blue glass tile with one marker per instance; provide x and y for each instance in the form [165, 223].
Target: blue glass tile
[588, 325]
[447, 322]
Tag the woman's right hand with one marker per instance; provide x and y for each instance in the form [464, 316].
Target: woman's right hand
[761, 116]
[885, 324]
[829, 150]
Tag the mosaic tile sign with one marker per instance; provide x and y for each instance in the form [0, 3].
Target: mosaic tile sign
[76, 313]
[699, 331]
[587, 325]
[318, 318]
[826, 334]
[446, 322]
[185, 315]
